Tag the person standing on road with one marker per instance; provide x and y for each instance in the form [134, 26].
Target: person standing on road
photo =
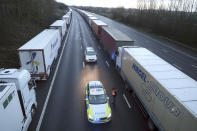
[114, 93]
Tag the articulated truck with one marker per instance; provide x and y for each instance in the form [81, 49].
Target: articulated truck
[168, 95]
[38, 55]
[17, 100]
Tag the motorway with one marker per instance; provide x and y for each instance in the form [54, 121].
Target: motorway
[182, 58]
[66, 106]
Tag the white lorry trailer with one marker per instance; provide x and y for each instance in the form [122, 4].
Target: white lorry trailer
[38, 55]
[61, 26]
[67, 17]
[17, 100]
[168, 95]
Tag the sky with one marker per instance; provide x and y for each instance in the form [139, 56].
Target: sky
[101, 3]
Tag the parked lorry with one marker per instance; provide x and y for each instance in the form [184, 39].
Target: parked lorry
[112, 38]
[67, 17]
[38, 55]
[90, 20]
[96, 27]
[61, 26]
[168, 95]
[17, 100]
[70, 16]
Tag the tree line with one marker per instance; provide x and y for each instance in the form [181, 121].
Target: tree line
[21, 20]
[174, 19]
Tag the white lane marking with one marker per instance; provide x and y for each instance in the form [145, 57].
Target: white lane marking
[83, 64]
[177, 66]
[51, 86]
[127, 101]
[195, 66]
[107, 63]
[81, 47]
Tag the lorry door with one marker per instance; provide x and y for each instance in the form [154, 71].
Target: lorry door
[26, 95]
[118, 57]
[26, 58]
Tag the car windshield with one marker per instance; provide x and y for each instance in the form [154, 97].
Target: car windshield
[97, 99]
[91, 52]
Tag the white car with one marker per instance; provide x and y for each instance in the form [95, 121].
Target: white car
[90, 55]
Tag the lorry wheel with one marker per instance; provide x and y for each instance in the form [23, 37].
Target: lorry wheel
[151, 125]
[33, 111]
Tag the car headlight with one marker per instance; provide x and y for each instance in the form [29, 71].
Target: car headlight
[91, 117]
[109, 115]
[87, 58]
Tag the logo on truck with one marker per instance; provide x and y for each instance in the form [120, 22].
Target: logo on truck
[8, 100]
[149, 87]
[53, 45]
[141, 74]
[33, 56]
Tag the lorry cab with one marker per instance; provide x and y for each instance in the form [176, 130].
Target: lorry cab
[10, 110]
[25, 89]
[119, 53]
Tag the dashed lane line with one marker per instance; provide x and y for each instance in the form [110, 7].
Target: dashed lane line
[126, 101]
[177, 66]
[195, 66]
[107, 63]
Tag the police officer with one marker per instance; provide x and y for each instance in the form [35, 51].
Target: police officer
[114, 93]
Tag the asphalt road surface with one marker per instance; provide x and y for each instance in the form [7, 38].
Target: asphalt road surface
[66, 109]
[182, 58]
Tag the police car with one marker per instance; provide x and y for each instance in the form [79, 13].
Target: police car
[97, 103]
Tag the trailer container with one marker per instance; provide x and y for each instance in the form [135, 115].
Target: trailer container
[90, 20]
[96, 27]
[112, 38]
[38, 55]
[168, 95]
[61, 26]
[86, 16]
[67, 17]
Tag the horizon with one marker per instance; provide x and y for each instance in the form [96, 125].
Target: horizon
[101, 3]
